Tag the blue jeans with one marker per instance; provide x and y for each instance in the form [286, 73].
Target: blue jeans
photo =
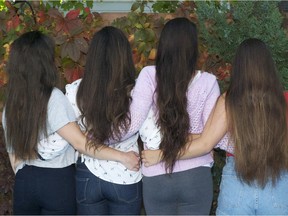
[46, 191]
[188, 192]
[98, 197]
[239, 198]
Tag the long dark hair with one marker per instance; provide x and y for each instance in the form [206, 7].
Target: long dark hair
[257, 115]
[32, 76]
[104, 93]
[175, 66]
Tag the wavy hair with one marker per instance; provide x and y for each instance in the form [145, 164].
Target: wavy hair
[257, 115]
[32, 76]
[175, 66]
[103, 96]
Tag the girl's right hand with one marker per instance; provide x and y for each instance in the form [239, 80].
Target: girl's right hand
[131, 160]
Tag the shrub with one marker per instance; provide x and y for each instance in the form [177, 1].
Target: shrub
[225, 24]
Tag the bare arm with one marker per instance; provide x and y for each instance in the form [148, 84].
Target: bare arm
[72, 133]
[214, 130]
[152, 157]
[14, 162]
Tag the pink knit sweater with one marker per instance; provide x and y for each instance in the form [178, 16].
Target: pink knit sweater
[201, 95]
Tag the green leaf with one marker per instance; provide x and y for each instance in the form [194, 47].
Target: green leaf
[138, 26]
[135, 6]
[89, 4]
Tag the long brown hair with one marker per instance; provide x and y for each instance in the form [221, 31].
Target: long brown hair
[257, 115]
[103, 96]
[175, 66]
[32, 76]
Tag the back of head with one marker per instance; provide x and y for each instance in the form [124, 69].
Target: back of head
[32, 76]
[104, 93]
[257, 114]
[175, 66]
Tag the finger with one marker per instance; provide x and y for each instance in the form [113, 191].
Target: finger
[136, 168]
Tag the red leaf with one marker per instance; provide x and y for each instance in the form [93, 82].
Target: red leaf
[54, 13]
[60, 39]
[77, 74]
[88, 14]
[60, 22]
[16, 21]
[9, 25]
[82, 44]
[71, 50]
[73, 27]
[72, 74]
[223, 72]
[13, 23]
[73, 14]
[87, 10]
[89, 18]
[60, 25]
[41, 17]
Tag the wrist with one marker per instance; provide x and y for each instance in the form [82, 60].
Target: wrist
[121, 157]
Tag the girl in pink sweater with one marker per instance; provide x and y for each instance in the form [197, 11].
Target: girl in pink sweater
[182, 99]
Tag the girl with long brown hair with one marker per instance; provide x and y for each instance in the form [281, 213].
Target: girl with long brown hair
[253, 112]
[182, 102]
[101, 101]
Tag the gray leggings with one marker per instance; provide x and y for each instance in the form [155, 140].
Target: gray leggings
[183, 193]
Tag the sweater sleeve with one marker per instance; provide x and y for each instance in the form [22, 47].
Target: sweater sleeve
[142, 99]
[210, 101]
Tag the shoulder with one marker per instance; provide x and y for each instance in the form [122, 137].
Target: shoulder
[207, 82]
[56, 94]
[148, 71]
[73, 87]
[208, 77]
[147, 76]
[60, 111]
[205, 86]
[57, 98]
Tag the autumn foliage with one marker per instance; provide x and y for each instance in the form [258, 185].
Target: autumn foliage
[72, 32]
[221, 29]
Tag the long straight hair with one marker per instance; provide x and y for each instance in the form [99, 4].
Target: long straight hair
[257, 115]
[32, 76]
[175, 66]
[103, 96]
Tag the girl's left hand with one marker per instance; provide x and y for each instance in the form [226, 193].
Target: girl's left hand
[151, 157]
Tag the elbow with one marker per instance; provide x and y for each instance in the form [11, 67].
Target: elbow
[78, 147]
[207, 148]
